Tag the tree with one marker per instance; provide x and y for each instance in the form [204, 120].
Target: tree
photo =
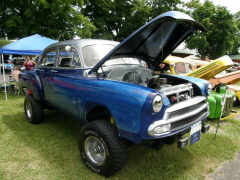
[59, 20]
[221, 25]
[159, 6]
[118, 19]
[109, 16]
[144, 11]
[4, 42]
[236, 45]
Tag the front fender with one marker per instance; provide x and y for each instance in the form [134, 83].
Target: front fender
[124, 101]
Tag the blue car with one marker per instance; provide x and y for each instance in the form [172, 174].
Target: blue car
[104, 85]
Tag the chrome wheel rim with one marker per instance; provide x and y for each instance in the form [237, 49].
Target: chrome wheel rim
[95, 150]
[235, 98]
[29, 110]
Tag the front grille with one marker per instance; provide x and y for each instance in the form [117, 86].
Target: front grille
[188, 121]
[186, 113]
[185, 110]
[228, 106]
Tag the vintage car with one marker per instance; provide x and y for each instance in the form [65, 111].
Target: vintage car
[207, 71]
[102, 84]
[230, 79]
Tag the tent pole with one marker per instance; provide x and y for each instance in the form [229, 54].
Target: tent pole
[4, 78]
[1, 64]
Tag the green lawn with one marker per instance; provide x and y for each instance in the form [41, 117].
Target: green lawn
[49, 151]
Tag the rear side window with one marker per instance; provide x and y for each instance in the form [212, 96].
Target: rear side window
[49, 58]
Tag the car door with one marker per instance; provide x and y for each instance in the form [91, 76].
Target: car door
[64, 81]
[44, 72]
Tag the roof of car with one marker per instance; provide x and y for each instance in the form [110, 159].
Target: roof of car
[79, 43]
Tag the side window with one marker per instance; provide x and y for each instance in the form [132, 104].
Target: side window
[68, 58]
[180, 68]
[48, 58]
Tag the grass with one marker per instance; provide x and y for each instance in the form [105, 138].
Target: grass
[49, 151]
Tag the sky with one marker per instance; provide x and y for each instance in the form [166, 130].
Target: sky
[231, 5]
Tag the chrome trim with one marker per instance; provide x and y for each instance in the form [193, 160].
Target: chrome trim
[156, 124]
[179, 106]
[184, 104]
[188, 114]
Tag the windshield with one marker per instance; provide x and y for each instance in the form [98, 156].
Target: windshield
[125, 61]
[183, 68]
[94, 53]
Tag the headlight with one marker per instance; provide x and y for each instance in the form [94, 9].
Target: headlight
[157, 103]
[209, 89]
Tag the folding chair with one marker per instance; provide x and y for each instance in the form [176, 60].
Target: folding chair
[11, 85]
[16, 89]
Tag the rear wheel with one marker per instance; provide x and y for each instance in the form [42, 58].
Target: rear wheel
[33, 110]
[101, 149]
[235, 101]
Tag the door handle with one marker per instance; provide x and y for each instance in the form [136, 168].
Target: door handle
[54, 71]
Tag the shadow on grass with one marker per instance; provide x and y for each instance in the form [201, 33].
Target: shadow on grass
[54, 144]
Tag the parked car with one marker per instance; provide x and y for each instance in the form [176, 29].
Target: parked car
[207, 71]
[230, 79]
[234, 68]
[103, 85]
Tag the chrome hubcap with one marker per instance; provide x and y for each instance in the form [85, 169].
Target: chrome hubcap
[95, 150]
[29, 110]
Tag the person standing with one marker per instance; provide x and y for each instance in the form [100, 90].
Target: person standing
[29, 64]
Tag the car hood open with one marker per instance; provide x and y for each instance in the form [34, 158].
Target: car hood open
[154, 41]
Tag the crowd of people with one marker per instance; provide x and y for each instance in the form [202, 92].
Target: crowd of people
[27, 64]
[16, 66]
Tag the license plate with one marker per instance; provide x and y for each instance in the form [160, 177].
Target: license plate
[195, 133]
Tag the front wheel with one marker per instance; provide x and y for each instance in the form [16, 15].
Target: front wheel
[101, 149]
[33, 110]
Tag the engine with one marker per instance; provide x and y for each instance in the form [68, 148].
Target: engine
[176, 92]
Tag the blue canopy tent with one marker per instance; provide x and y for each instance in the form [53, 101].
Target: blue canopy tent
[32, 45]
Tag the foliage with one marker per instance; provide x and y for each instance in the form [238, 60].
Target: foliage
[4, 42]
[49, 150]
[158, 6]
[58, 20]
[109, 16]
[118, 19]
[222, 29]
[236, 45]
